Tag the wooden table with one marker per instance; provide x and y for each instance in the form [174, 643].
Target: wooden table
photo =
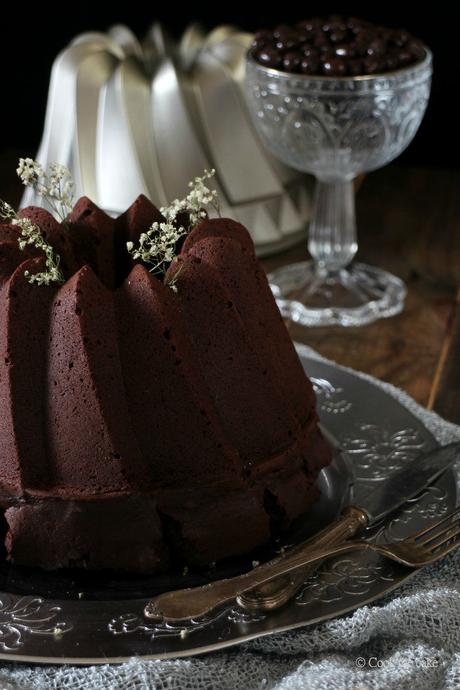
[409, 223]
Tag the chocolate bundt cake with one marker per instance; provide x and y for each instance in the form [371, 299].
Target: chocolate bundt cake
[138, 423]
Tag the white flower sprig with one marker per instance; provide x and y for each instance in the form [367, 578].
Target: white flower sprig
[30, 235]
[7, 212]
[195, 203]
[157, 246]
[55, 185]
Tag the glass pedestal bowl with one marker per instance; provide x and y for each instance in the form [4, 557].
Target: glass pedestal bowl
[337, 128]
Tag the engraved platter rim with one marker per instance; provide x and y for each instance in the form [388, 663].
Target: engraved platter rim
[377, 434]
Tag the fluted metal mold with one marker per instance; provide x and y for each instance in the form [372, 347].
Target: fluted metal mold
[129, 118]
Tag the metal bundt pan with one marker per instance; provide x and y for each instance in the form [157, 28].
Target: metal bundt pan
[130, 118]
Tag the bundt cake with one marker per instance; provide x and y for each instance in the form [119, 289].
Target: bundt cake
[141, 424]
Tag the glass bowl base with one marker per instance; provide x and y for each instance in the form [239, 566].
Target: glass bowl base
[351, 296]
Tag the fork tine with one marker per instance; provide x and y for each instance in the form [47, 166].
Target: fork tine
[442, 539]
[441, 529]
[447, 548]
[450, 518]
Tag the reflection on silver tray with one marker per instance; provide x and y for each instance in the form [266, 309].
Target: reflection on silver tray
[42, 618]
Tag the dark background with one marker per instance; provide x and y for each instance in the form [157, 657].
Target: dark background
[32, 36]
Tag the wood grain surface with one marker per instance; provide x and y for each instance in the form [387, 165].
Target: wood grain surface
[409, 224]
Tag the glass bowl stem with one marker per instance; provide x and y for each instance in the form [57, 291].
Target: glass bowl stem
[332, 235]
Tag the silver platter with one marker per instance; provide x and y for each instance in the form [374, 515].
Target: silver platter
[54, 618]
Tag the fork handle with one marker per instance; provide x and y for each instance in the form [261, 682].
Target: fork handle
[273, 594]
[190, 603]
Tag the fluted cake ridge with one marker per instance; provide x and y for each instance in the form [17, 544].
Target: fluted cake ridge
[141, 423]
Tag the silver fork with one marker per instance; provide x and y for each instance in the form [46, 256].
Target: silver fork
[424, 547]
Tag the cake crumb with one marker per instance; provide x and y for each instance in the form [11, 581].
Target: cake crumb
[255, 564]
[58, 632]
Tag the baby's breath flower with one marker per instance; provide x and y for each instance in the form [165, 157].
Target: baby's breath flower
[30, 235]
[196, 201]
[158, 245]
[29, 171]
[55, 185]
[7, 212]
[174, 209]
[200, 196]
